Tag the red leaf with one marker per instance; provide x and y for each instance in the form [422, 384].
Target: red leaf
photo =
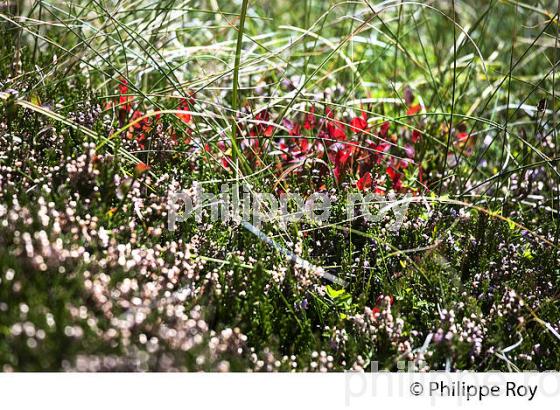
[380, 190]
[391, 172]
[359, 124]
[337, 173]
[341, 161]
[364, 182]
[225, 163]
[415, 136]
[140, 168]
[342, 157]
[123, 85]
[384, 129]
[336, 130]
[413, 109]
[310, 119]
[269, 131]
[395, 178]
[185, 104]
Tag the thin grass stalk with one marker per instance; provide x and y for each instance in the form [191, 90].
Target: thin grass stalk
[235, 85]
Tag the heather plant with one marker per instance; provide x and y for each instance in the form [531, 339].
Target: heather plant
[442, 114]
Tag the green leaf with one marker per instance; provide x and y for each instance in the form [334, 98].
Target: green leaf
[333, 293]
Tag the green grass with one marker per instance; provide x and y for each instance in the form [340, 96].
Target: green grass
[92, 279]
